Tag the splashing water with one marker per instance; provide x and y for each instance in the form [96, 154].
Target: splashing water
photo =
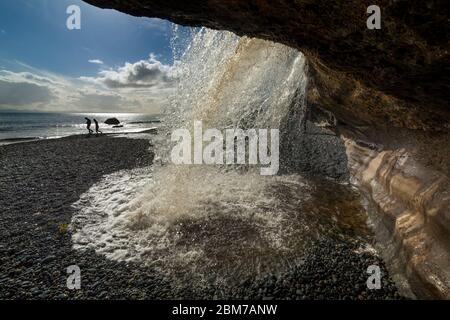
[226, 81]
[224, 222]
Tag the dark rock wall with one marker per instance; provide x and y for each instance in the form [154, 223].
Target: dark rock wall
[408, 58]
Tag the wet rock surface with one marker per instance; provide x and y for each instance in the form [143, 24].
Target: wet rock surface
[39, 181]
[323, 275]
[315, 151]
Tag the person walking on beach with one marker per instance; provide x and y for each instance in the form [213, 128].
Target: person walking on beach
[97, 127]
[88, 125]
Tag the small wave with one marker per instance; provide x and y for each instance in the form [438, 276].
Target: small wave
[41, 126]
[18, 140]
[145, 122]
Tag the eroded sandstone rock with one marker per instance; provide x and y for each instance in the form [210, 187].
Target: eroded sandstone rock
[414, 202]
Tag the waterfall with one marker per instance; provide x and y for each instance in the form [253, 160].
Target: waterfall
[203, 217]
[212, 229]
[230, 81]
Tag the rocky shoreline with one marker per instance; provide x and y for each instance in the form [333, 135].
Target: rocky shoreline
[39, 181]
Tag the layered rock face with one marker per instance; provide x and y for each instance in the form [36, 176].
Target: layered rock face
[387, 89]
[399, 157]
[413, 202]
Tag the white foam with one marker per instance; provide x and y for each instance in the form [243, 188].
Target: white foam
[173, 214]
[132, 214]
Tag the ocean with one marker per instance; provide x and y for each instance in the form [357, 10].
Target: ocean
[15, 126]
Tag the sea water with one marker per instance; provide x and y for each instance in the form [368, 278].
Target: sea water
[22, 125]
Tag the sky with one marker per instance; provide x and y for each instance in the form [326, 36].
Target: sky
[114, 63]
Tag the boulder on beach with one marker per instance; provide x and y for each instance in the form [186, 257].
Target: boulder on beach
[112, 121]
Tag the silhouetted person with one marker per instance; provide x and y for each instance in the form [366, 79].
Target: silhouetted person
[97, 127]
[88, 125]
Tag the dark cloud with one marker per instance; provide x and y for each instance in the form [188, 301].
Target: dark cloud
[23, 93]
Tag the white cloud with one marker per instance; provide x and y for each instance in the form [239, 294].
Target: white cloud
[143, 86]
[26, 76]
[142, 74]
[96, 61]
